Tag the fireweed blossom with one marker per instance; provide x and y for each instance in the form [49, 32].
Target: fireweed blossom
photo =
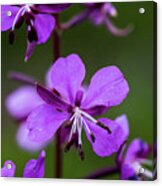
[69, 105]
[99, 14]
[132, 165]
[38, 18]
[33, 168]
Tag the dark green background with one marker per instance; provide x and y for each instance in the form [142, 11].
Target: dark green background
[98, 48]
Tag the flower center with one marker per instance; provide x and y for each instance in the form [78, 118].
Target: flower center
[77, 122]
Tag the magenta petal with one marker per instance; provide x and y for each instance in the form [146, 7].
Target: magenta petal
[35, 168]
[22, 101]
[52, 99]
[137, 149]
[25, 142]
[44, 25]
[7, 21]
[127, 172]
[108, 87]
[44, 121]
[52, 8]
[106, 144]
[67, 75]
[123, 122]
[8, 169]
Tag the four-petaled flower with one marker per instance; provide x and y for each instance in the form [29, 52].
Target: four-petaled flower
[38, 18]
[33, 168]
[70, 105]
[132, 165]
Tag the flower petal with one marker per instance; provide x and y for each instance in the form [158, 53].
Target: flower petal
[67, 75]
[44, 25]
[52, 99]
[9, 169]
[128, 172]
[22, 101]
[52, 8]
[123, 122]
[106, 144]
[137, 149]
[35, 168]
[44, 121]
[25, 142]
[108, 87]
[7, 21]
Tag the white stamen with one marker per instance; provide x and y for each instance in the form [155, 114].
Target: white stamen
[88, 117]
[17, 16]
[148, 173]
[78, 122]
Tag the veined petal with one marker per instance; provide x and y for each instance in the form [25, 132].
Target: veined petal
[137, 149]
[105, 144]
[108, 87]
[25, 142]
[44, 25]
[52, 99]
[44, 121]
[67, 75]
[22, 101]
[8, 169]
[7, 20]
[35, 168]
[52, 8]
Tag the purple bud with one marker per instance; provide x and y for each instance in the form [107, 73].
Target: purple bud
[35, 168]
[8, 169]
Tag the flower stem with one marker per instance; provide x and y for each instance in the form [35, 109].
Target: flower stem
[102, 172]
[58, 155]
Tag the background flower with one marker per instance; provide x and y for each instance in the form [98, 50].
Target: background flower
[33, 168]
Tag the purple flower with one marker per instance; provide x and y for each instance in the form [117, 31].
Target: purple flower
[19, 104]
[38, 18]
[33, 168]
[134, 160]
[101, 13]
[69, 105]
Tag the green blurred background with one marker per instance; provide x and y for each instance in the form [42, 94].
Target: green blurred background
[98, 48]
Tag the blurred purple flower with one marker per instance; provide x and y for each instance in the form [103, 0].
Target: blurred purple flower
[38, 18]
[100, 14]
[69, 105]
[33, 168]
[19, 104]
[134, 160]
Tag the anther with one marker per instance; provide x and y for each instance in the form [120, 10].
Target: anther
[81, 152]
[104, 127]
[32, 34]
[19, 22]
[68, 146]
[92, 137]
[11, 37]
